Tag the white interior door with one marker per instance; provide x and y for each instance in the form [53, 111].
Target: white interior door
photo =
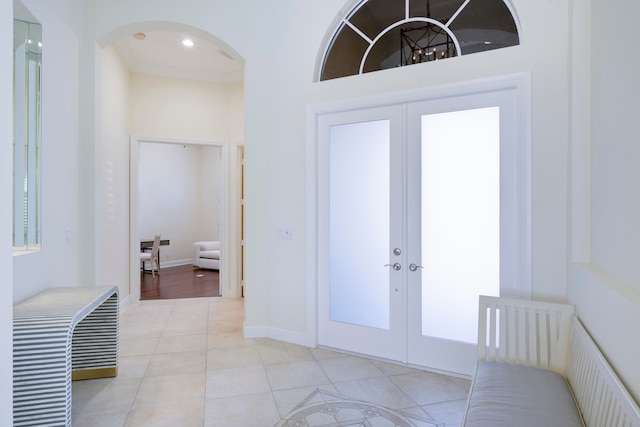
[420, 212]
[461, 220]
[361, 294]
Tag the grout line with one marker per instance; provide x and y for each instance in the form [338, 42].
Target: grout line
[228, 312]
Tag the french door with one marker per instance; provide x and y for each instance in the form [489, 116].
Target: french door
[418, 214]
[361, 296]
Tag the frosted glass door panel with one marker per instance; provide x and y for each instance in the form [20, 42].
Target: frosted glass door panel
[460, 219]
[359, 216]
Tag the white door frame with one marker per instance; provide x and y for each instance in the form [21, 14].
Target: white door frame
[236, 220]
[228, 286]
[519, 82]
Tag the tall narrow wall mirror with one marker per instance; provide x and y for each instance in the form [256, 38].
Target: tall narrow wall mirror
[27, 153]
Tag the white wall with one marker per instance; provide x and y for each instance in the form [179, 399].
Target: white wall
[235, 107]
[616, 145]
[606, 291]
[112, 169]
[178, 197]
[60, 262]
[211, 194]
[176, 108]
[6, 191]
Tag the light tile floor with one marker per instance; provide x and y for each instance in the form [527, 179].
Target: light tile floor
[185, 362]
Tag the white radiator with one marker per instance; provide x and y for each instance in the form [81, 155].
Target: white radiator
[602, 397]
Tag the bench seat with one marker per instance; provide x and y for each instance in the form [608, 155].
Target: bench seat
[505, 394]
[538, 366]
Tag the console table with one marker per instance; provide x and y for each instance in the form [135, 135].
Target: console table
[148, 244]
[58, 335]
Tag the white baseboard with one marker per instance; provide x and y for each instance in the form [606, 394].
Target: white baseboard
[124, 303]
[279, 334]
[175, 262]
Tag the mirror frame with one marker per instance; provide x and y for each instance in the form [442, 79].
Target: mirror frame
[27, 133]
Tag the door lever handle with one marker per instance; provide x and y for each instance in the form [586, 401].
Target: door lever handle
[396, 266]
[414, 267]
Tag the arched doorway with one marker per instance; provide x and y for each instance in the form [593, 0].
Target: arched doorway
[126, 106]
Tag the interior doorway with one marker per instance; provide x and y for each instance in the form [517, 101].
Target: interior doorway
[180, 199]
[228, 259]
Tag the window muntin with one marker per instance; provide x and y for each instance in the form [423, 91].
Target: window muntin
[345, 61]
[376, 15]
[485, 25]
[384, 54]
[439, 10]
[371, 34]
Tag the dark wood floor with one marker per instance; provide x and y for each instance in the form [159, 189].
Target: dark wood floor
[182, 281]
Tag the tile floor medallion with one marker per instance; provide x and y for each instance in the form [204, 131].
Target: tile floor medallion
[325, 409]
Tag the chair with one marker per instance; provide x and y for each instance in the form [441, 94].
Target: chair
[152, 257]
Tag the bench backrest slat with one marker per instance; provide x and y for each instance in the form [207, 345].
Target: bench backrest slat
[524, 332]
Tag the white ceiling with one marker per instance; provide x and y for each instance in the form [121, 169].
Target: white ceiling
[162, 53]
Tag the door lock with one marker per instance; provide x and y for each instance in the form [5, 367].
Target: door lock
[396, 266]
[397, 251]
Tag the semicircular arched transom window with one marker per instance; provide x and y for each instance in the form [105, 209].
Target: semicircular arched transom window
[380, 34]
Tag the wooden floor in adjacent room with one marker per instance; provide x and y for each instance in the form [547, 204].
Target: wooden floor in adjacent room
[183, 281]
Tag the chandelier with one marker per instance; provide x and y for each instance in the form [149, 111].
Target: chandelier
[429, 42]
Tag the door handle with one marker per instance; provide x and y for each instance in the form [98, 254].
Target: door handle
[396, 266]
[414, 267]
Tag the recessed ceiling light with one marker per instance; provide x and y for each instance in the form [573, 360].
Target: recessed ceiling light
[187, 42]
[140, 36]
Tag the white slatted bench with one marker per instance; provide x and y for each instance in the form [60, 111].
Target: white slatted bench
[538, 366]
[58, 335]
